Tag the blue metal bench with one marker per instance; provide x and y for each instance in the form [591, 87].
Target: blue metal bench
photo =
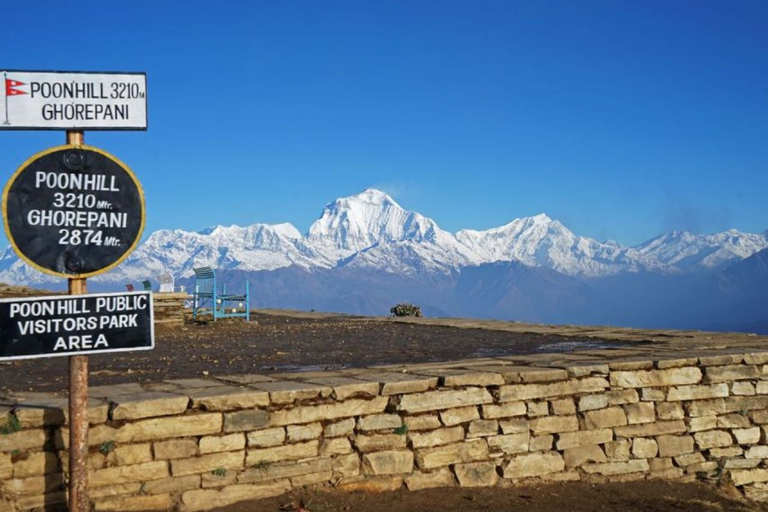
[223, 305]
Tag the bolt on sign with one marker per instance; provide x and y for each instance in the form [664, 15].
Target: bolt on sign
[73, 211]
[54, 100]
[76, 325]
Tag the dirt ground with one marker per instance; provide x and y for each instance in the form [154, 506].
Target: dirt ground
[651, 496]
[276, 343]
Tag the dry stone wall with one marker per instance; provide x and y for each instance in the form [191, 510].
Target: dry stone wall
[203, 443]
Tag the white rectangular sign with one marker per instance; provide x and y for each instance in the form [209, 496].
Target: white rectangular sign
[54, 100]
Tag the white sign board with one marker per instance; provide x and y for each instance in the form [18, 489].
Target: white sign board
[53, 100]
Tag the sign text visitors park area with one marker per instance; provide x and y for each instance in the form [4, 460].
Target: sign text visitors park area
[52, 100]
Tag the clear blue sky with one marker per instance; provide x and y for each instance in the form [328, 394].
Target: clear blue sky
[623, 119]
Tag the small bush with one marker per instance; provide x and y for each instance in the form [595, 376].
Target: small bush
[107, 447]
[219, 472]
[405, 310]
[11, 425]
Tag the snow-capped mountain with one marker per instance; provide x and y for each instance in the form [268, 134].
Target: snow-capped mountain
[371, 231]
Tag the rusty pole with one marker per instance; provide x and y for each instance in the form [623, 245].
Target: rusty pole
[78, 403]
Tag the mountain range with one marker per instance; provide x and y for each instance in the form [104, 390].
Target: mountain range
[365, 253]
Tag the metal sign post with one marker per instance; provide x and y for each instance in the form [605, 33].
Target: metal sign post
[78, 401]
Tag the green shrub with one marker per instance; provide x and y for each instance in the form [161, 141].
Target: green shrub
[405, 310]
[11, 425]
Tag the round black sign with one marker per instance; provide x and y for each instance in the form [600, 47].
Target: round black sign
[73, 211]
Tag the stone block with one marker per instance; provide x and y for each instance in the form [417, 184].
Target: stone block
[585, 369]
[748, 476]
[158, 429]
[515, 392]
[440, 478]
[393, 462]
[243, 421]
[713, 439]
[207, 463]
[311, 479]
[670, 411]
[541, 443]
[514, 426]
[225, 443]
[24, 440]
[345, 388]
[554, 424]
[510, 443]
[706, 407]
[584, 438]
[605, 418]
[282, 453]
[11, 487]
[656, 378]
[593, 402]
[617, 468]
[746, 436]
[729, 451]
[129, 474]
[641, 412]
[436, 437]
[171, 484]
[676, 362]
[482, 428]
[266, 438]
[536, 409]
[400, 383]
[760, 417]
[371, 484]
[702, 423]
[37, 464]
[720, 359]
[575, 457]
[335, 446]
[326, 412]
[128, 454]
[175, 449]
[379, 422]
[476, 474]
[741, 404]
[209, 499]
[743, 388]
[6, 466]
[618, 450]
[563, 407]
[381, 442]
[134, 503]
[296, 433]
[534, 464]
[697, 392]
[731, 373]
[741, 463]
[346, 465]
[761, 388]
[757, 452]
[40, 501]
[659, 428]
[689, 459]
[622, 396]
[453, 417]
[733, 421]
[342, 428]
[652, 395]
[279, 470]
[674, 446]
[422, 422]
[643, 448]
[227, 398]
[444, 399]
[468, 451]
[147, 405]
[284, 392]
[506, 410]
